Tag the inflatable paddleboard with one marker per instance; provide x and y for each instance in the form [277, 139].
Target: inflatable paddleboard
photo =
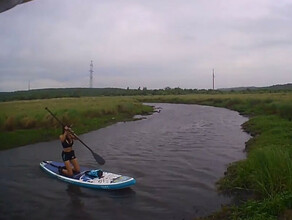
[90, 178]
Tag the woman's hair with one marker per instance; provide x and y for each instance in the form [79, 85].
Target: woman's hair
[63, 129]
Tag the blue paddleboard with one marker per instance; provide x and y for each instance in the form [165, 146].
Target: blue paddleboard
[86, 177]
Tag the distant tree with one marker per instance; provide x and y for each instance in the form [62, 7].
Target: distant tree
[177, 91]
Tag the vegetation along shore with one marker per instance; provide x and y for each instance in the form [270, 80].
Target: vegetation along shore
[27, 122]
[266, 174]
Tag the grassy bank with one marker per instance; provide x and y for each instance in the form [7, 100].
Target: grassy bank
[26, 122]
[267, 171]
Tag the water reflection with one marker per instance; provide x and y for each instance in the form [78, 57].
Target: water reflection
[76, 206]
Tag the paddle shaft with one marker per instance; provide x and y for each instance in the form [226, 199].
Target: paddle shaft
[98, 158]
[55, 116]
[68, 130]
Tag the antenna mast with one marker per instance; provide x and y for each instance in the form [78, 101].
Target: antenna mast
[91, 75]
[213, 80]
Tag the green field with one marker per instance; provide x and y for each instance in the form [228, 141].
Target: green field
[266, 174]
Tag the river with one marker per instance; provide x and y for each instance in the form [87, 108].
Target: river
[176, 156]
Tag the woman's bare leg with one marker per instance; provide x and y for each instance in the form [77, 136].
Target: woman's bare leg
[76, 166]
[68, 171]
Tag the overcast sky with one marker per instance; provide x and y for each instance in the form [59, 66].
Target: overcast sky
[146, 43]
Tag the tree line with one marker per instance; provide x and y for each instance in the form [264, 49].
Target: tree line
[91, 92]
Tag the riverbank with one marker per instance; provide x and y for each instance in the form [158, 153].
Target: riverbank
[27, 122]
[267, 171]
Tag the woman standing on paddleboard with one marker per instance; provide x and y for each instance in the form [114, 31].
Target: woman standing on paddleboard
[68, 154]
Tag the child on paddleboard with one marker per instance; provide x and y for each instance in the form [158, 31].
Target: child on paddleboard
[68, 154]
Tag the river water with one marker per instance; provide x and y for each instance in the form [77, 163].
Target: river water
[176, 156]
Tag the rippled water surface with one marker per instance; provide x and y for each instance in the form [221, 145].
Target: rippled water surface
[176, 156]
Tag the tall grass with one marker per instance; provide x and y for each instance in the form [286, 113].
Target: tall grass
[20, 119]
[266, 209]
[32, 114]
[273, 173]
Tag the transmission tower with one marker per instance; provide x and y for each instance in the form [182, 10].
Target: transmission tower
[91, 75]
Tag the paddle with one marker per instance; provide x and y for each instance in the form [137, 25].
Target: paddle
[98, 158]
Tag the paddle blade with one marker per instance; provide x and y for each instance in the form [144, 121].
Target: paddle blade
[98, 158]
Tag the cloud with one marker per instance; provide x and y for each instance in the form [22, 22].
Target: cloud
[145, 43]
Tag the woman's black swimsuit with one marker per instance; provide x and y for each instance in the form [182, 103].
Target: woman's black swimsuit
[66, 143]
[68, 155]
